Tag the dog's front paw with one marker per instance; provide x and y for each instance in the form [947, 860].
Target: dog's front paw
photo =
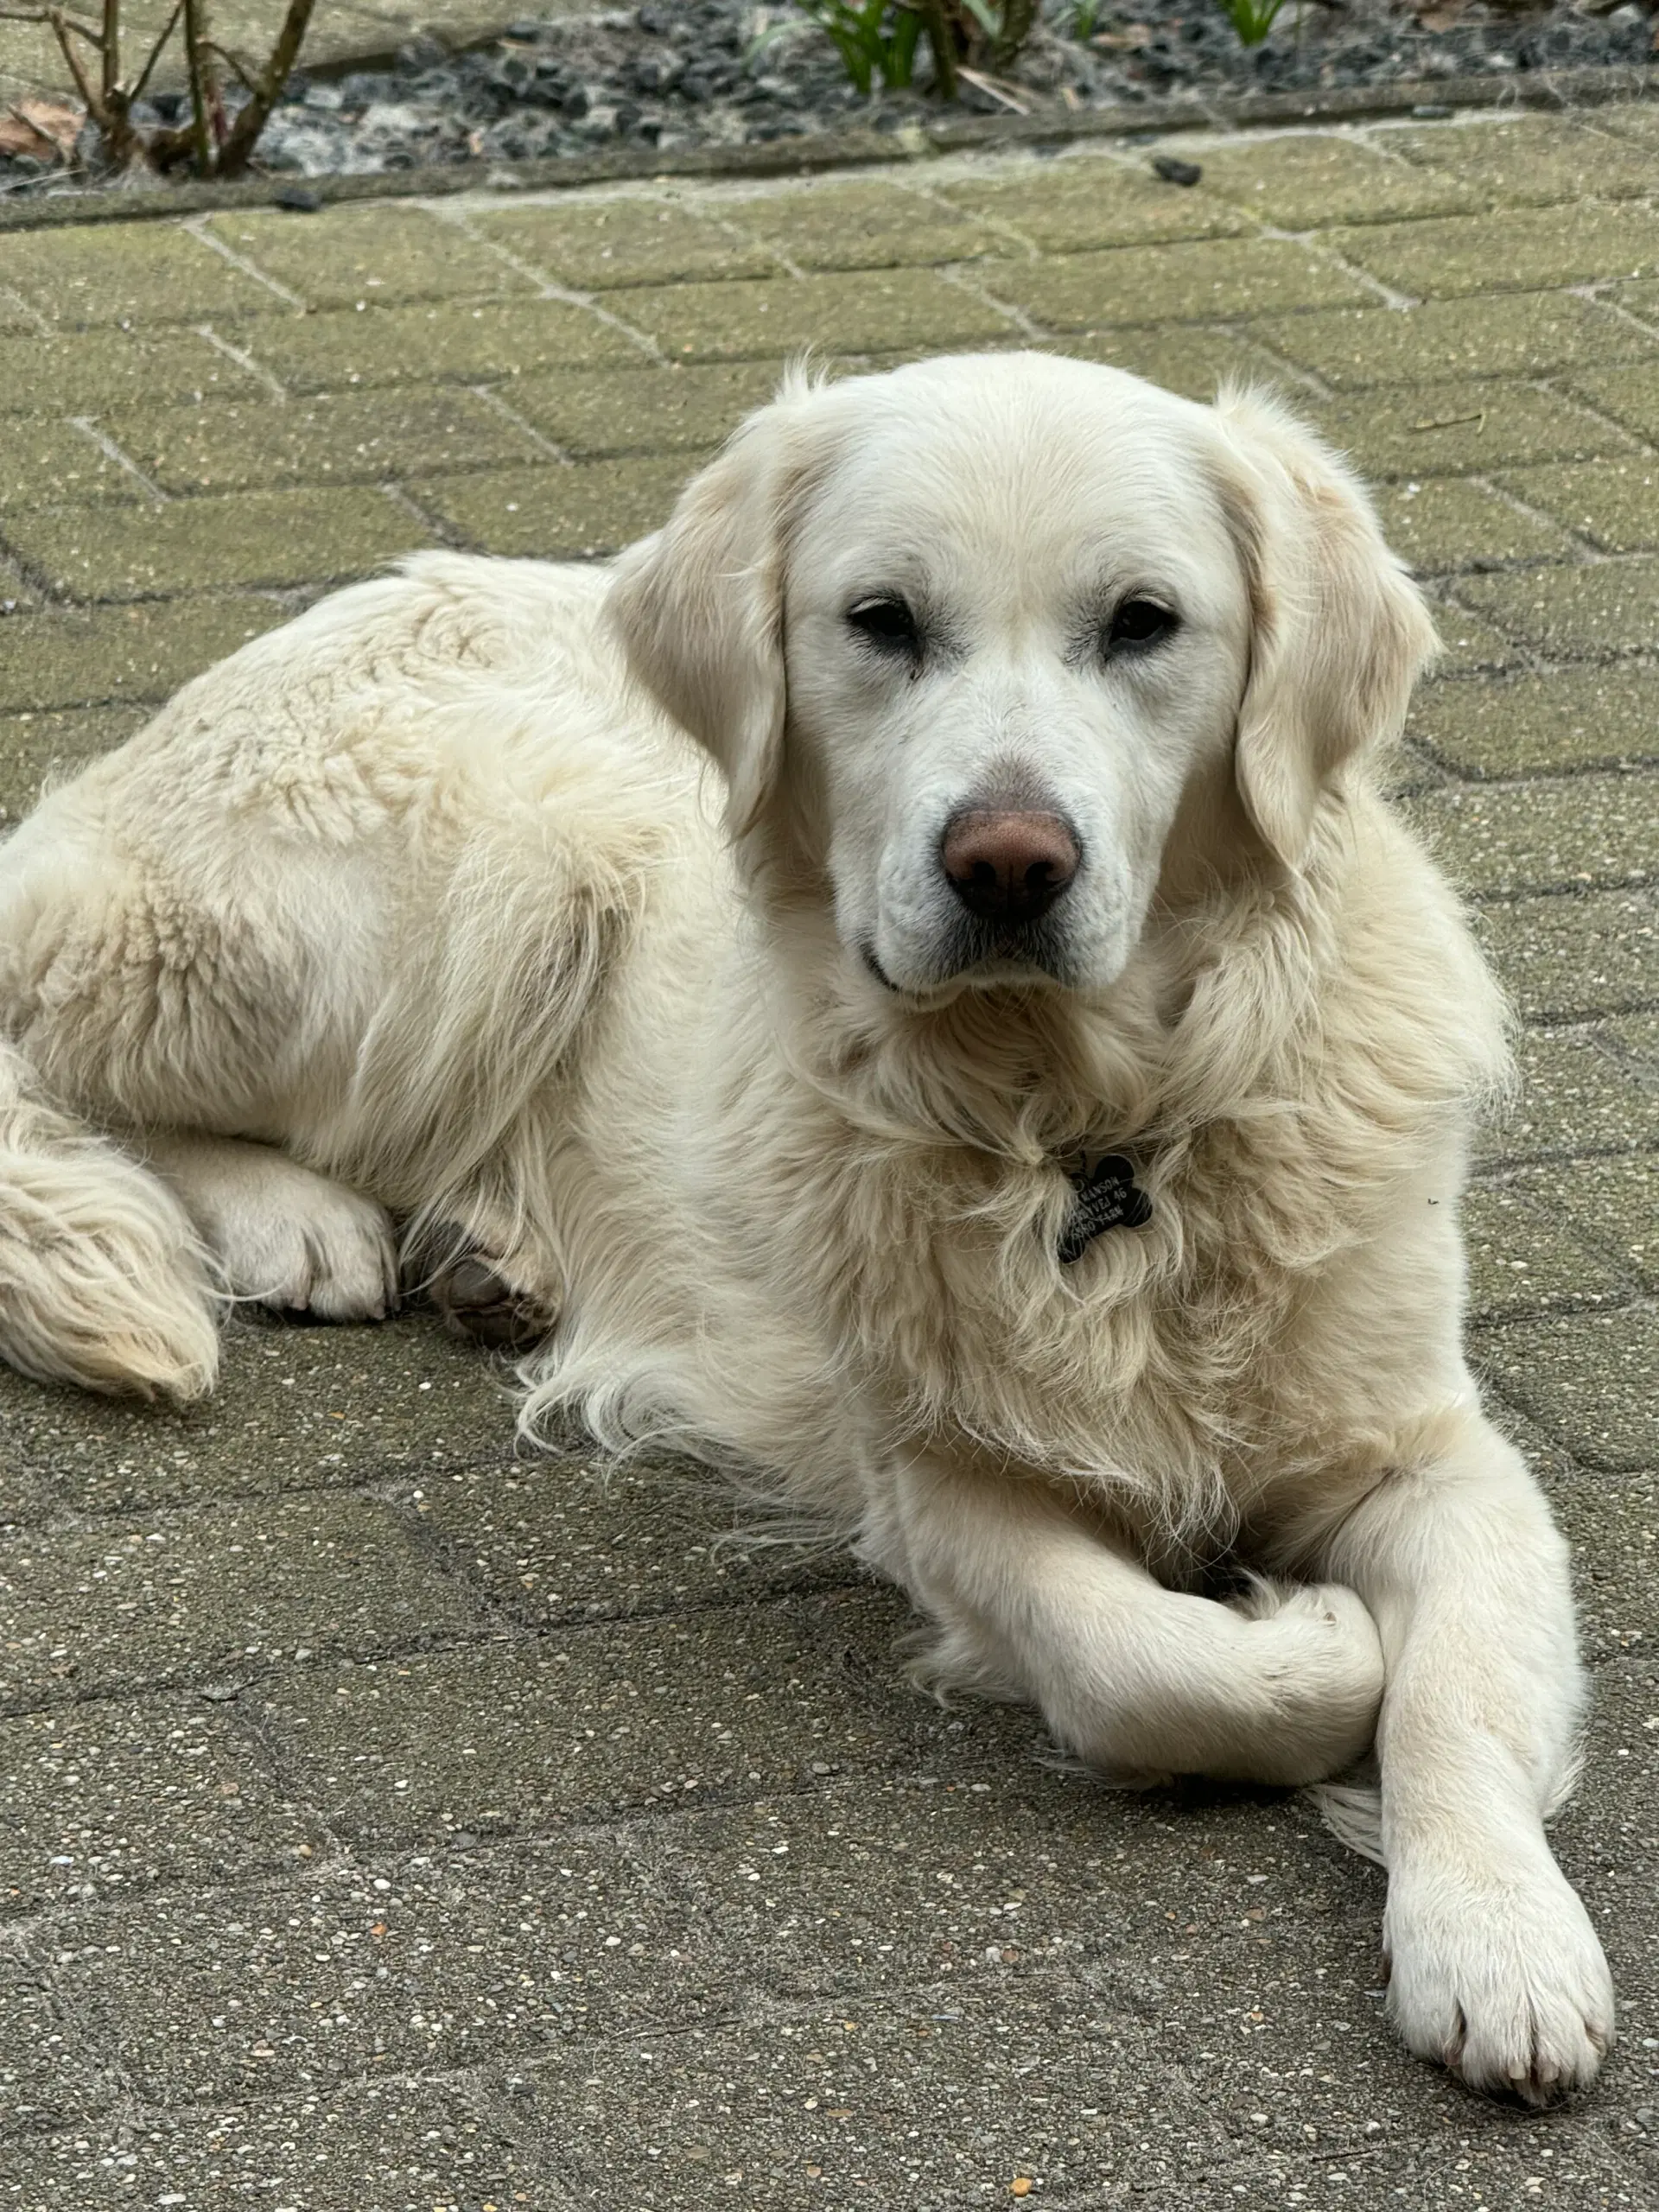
[1315, 1654]
[1501, 1978]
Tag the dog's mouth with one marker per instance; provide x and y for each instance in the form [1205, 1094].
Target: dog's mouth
[979, 956]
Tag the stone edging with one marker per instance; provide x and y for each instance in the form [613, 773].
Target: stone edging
[1560, 90]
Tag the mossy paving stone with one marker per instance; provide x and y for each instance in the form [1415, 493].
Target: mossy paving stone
[1531, 159]
[1616, 1202]
[62, 657]
[420, 344]
[335, 437]
[1615, 504]
[36, 748]
[1586, 1380]
[1567, 959]
[557, 513]
[593, 245]
[594, 415]
[1563, 833]
[1205, 280]
[1607, 607]
[1086, 200]
[824, 224]
[1612, 1523]
[1467, 644]
[1312, 180]
[1194, 362]
[1518, 252]
[845, 311]
[1570, 718]
[45, 460]
[1454, 429]
[1448, 523]
[1630, 394]
[123, 273]
[87, 371]
[1638, 1037]
[377, 254]
[1576, 1096]
[1514, 335]
[272, 538]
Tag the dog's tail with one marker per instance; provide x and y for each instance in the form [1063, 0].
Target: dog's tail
[102, 1281]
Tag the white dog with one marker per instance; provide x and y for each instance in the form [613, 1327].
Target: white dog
[1030, 1133]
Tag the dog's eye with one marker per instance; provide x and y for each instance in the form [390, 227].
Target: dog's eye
[887, 622]
[1138, 623]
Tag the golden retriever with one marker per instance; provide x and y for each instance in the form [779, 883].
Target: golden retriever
[1013, 1103]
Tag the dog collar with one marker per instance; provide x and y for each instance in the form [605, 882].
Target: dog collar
[1104, 1196]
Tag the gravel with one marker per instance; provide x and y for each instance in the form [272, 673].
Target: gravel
[673, 74]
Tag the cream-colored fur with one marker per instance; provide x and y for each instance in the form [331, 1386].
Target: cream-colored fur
[432, 891]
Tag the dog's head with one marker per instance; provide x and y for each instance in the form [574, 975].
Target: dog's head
[982, 641]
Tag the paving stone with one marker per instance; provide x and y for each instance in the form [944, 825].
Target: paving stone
[107, 1607]
[296, 1409]
[1526, 1259]
[422, 343]
[1588, 1381]
[864, 311]
[1441, 430]
[568, 1539]
[1616, 1203]
[921, 2099]
[1181, 283]
[17, 592]
[1520, 252]
[95, 369]
[46, 2074]
[825, 224]
[269, 539]
[1194, 362]
[35, 749]
[1531, 159]
[1612, 1524]
[1637, 1040]
[1543, 836]
[352, 1973]
[42, 460]
[1571, 718]
[113, 1794]
[679, 410]
[589, 1721]
[393, 2146]
[1567, 959]
[1610, 607]
[1614, 503]
[1449, 523]
[1515, 334]
[377, 254]
[1469, 645]
[595, 245]
[1312, 180]
[342, 438]
[1086, 200]
[63, 658]
[122, 273]
[1630, 394]
[556, 512]
[1576, 1096]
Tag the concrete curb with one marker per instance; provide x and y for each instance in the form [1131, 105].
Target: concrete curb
[1560, 90]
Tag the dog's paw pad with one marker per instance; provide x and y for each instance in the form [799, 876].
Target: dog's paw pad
[477, 1302]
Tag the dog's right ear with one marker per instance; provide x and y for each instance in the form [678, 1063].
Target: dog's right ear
[699, 607]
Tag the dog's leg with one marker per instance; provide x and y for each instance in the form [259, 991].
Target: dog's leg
[284, 1236]
[1140, 1681]
[1496, 1969]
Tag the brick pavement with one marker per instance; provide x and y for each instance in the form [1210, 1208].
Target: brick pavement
[387, 1822]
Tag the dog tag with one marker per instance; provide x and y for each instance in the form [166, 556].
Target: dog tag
[1106, 1196]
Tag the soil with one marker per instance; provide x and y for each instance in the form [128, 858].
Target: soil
[671, 74]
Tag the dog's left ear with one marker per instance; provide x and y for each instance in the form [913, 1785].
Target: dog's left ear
[699, 607]
[1339, 631]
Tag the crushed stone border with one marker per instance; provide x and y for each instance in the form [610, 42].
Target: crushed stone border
[1558, 91]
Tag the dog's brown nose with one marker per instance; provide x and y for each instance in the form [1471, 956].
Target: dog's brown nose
[1008, 866]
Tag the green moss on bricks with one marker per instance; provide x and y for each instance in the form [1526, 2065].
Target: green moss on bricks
[35, 749]
[1560, 834]
[874, 311]
[138, 273]
[824, 224]
[555, 513]
[1608, 609]
[1448, 523]
[90, 371]
[1577, 1095]
[1615, 504]
[1523, 1260]
[1569, 959]
[1526, 161]
[59, 657]
[455, 340]
[597, 246]
[1520, 252]
[1518, 334]
[1313, 179]
[1587, 1382]
[594, 416]
[1457, 430]
[1086, 199]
